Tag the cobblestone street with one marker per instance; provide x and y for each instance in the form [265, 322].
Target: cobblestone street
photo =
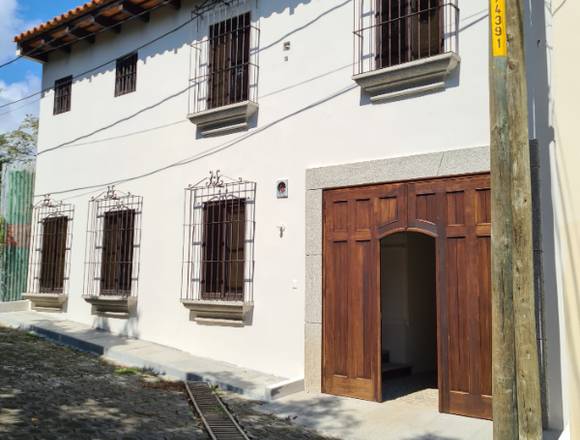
[52, 392]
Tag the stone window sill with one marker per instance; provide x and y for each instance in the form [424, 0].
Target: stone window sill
[46, 301]
[219, 312]
[420, 76]
[111, 304]
[224, 119]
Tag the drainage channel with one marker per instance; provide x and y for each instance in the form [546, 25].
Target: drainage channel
[218, 421]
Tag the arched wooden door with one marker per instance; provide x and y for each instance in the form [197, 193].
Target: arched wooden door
[457, 212]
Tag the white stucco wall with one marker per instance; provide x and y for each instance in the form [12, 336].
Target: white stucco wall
[311, 114]
[563, 19]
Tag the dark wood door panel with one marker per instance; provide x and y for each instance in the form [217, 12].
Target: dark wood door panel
[351, 307]
[457, 212]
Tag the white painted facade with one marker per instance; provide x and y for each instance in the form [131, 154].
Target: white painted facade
[311, 114]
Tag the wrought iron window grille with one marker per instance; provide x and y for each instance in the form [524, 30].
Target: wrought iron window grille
[62, 95]
[218, 240]
[126, 74]
[392, 32]
[224, 58]
[49, 263]
[113, 244]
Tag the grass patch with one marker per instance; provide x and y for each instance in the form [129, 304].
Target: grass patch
[127, 371]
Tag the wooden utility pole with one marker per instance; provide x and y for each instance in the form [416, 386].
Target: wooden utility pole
[516, 386]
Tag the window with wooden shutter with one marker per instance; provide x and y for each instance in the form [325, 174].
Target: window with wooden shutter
[223, 250]
[408, 30]
[126, 75]
[62, 95]
[229, 61]
[52, 262]
[113, 246]
[117, 252]
[51, 240]
[218, 245]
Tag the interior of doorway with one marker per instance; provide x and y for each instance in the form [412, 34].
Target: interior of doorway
[409, 317]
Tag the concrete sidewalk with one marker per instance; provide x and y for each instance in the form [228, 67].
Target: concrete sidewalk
[164, 360]
[397, 419]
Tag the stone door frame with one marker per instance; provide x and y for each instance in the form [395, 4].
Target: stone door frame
[423, 166]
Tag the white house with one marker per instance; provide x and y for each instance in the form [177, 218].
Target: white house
[299, 187]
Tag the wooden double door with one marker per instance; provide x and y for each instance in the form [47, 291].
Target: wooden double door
[456, 212]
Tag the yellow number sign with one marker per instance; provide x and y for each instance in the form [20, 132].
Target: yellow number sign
[498, 28]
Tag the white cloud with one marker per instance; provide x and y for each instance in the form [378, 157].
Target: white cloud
[12, 24]
[11, 116]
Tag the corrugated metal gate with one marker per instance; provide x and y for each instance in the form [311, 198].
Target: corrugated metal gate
[16, 199]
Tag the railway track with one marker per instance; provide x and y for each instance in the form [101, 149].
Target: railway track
[218, 421]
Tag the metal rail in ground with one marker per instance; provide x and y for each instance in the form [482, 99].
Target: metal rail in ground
[218, 421]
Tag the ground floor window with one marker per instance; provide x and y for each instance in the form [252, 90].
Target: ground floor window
[113, 244]
[224, 249]
[51, 243]
[219, 240]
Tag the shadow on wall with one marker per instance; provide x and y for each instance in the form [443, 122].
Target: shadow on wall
[179, 40]
[130, 327]
[541, 129]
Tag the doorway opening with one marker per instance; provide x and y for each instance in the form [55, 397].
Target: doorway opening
[409, 317]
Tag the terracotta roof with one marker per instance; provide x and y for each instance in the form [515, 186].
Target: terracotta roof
[60, 19]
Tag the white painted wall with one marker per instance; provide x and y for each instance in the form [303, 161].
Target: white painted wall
[311, 114]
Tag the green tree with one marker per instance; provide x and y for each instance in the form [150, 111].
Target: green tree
[20, 144]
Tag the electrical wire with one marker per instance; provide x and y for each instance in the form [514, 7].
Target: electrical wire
[198, 11]
[92, 34]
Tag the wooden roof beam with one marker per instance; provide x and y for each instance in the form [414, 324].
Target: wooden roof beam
[82, 33]
[31, 52]
[133, 9]
[51, 43]
[107, 22]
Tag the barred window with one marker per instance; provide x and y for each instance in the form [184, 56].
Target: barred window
[62, 95]
[117, 252]
[113, 245]
[408, 30]
[229, 61]
[126, 75]
[218, 241]
[223, 249]
[393, 32]
[53, 254]
[51, 236]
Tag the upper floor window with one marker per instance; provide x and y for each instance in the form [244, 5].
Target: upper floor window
[224, 83]
[404, 47]
[62, 95]
[392, 32]
[229, 58]
[408, 30]
[126, 75]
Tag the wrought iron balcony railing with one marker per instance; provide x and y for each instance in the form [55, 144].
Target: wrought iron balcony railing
[392, 32]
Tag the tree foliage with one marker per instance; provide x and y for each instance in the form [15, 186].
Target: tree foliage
[20, 144]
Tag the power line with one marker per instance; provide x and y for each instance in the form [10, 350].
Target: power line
[92, 34]
[196, 13]
[211, 150]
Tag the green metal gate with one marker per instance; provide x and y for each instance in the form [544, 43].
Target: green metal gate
[16, 200]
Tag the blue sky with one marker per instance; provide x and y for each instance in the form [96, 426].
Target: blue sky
[22, 77]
